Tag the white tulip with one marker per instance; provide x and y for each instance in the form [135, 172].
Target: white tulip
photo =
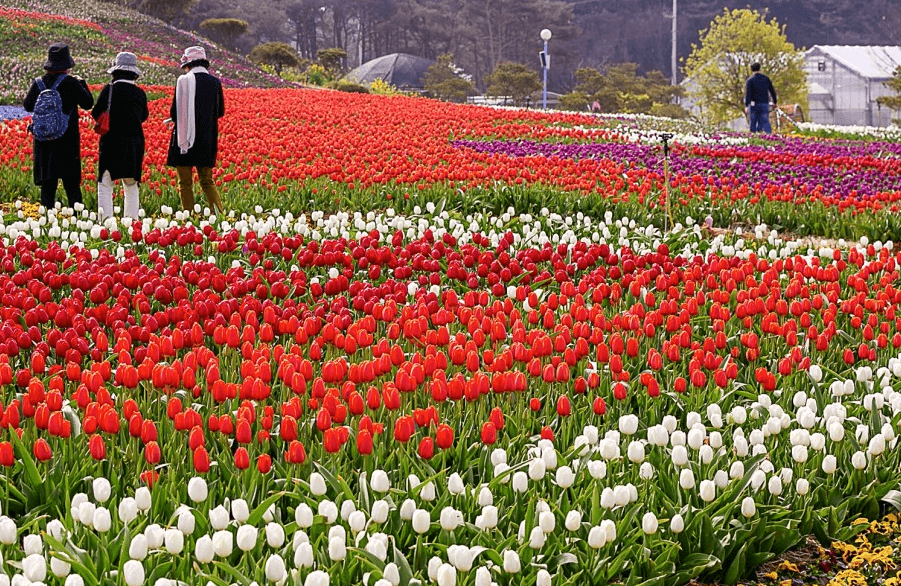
[32, 544]
[483, 576]
[455, 484]
[59, 567]
[128, 510]
[317, 578]
[646, 471]
[802, 486]
[635, 452]
[449, 518]
[447, 575]
[596, 537]
[143, 499]
[741, 446]
[537, 469]
[597, 469]
[303, 556]
[154, 535]
[379, 513]
[219, 518]
[498, 456]
[407, 508]
[197, 489]
[329, 510]
[102, 520]
[490, 516]
[34, 567]
[565, 477]
[707, 491]
[247, 537]
[428, 492]
[356, 521]
[628, 424]
[696, 436]
[547, 521]
[421, 521]
[137, 550]
[86, 513]
[608, 498]
[670, 423]
[859, 460]
[799, 454]
[174, 541]
[240, 510]
[520, 481]
[433, 566]
[877, 444]
[829, 464]
[485, 497]
[102, 489]
[609, 528]
[134, 573]
[203, 549]
[815, 373]
[223, 543]
[537, 538]
[680, 455]
[391, 573]
[817, 441]
[186, 522]
[317, 484]
[543, 578]
[677, 524]
[337, 549]
[573, 521]
[275, 568]
[737, 470]
[73, 580]
[512, 564]
[649, 522]
[739, 415]
[56, 529]
[7, 531]
[774, 485]
[748, 507]
[303, 515]
[686, 479]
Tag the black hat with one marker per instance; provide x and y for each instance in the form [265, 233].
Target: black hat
[58, 58]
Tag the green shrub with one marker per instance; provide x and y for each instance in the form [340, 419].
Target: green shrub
[351, 87]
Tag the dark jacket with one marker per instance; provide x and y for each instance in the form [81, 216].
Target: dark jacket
[122, 148]
[758, 90]
[209, 106]
[54, 159]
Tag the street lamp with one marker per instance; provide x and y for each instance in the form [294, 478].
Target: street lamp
[545, 64]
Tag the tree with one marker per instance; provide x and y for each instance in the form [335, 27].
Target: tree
[894, 84]
[224, 30]
[277, 55]
[166, 10]
[719, 67]
[621, 89]
[332, 59]
[444, 82]
[514, 80]
[303, 16]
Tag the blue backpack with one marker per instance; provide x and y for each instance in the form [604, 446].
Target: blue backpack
[49, 122]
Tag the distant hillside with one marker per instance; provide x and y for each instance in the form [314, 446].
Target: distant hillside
[95, 32]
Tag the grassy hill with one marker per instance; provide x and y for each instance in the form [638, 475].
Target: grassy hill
[95, 32]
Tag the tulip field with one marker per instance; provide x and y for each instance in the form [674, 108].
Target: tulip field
[434, 343]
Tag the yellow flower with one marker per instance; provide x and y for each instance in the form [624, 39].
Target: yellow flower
[787, 566]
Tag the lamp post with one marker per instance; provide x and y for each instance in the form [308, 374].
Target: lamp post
[546, 64]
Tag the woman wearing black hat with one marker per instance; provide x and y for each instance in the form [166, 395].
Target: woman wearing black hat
[60, 158]
[122, 148]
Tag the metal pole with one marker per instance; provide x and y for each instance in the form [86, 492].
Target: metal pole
[547, 62]
[675, 74]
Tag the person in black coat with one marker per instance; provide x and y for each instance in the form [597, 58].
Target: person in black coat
[196, 108]
[60, 158]
[122, 148]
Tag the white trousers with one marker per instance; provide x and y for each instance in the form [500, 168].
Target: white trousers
[105, 197]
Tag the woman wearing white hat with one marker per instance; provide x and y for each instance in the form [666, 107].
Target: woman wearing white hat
[122, 147]
[196, 108]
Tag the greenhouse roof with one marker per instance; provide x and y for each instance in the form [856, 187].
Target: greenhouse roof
[871, 62]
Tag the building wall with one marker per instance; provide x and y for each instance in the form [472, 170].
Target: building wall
[851, 99]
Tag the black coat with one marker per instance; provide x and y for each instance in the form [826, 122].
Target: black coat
[122, 148]
[55, 159]
[209, 107]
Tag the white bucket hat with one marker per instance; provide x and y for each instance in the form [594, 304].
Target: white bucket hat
[125, 61]
[193, 54]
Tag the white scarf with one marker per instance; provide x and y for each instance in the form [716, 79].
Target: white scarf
[185, 92]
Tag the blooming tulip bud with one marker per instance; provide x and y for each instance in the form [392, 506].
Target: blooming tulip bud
[859, 460]
[649, 523]
[32, 544]
[391, 573]
[142, 498]
[512, 564]
[799, 454]
[102, 521]
[748, 507]
[628, 424]
[597, 538]
[520, 481]
[537, 468]
[174, 541]
[635, 452]
[197, 489]
[303, 515]
[203, 549]
[547, 521]
[537, 538]
[134, 573]
[407, 508]
[707, 491]
[247, 537]
[223, 543]
[609, 528]
[347, 507]
[74, 580]
[240, 510]
[329, 510]
[356, 521]
[680, 456]
[490, 514]
[317, 578]
[565, 477]
[447, 575]
[379, 512]
[86, 513]
[433, 566]
[55, 528]
[186, 522]
[102, 489]
[59, 567]
[686, 479]
[137, 550]
[573, 521]
[677, 524]
[877, 445]
[34, 567]
[485, 497]
[128, 510]
[483, 576]
[597, 469]
[317, 484]
[774, 485]
[721, 479]
[275, 568]
[802, 486]
[421, 521]
[498, 456]
[450, 518]
[379, 481]
[303, 556]
[219, 518]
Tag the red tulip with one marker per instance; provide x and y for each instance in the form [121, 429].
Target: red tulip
[426, 448]
[444, 436]
[296, 453]
[599, 407]
[497, 418]
[264, 463]
[201, 460]
[364, 442]
[97, 447]
[563, 406]
[489, 433]
[42, 450]
[152, 453]
[7, 457]
[242, 458]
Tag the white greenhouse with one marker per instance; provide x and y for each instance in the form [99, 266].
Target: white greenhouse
[844, 82]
